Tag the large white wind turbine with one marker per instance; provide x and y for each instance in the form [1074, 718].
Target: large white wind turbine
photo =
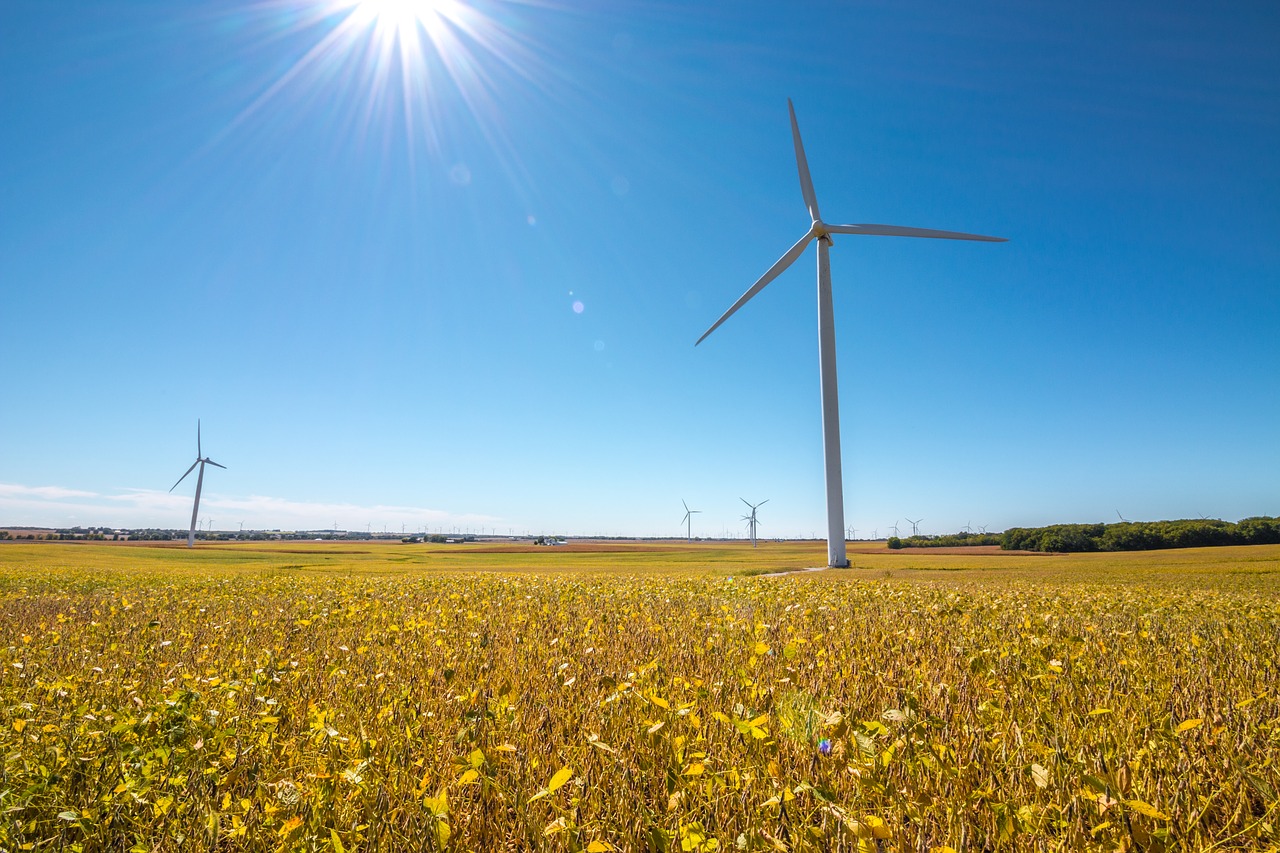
[821, 231]
[688, 519]
[201, 460]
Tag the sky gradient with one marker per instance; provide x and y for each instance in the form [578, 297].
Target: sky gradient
[460, 287]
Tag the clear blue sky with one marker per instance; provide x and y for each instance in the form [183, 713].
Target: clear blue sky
[460, 285]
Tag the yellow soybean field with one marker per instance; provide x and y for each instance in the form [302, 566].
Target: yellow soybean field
[357, 696]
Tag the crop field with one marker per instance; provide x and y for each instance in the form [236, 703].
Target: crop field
[636, 696]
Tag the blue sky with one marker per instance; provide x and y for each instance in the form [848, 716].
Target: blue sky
[462, 289]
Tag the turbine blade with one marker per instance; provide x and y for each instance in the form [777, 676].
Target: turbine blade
[806, 183]
[199, 452]
[685, 505]
[184, 476]
[744, 500]
[774, 271]
[211, 462]
[872, 230]
[763, 502]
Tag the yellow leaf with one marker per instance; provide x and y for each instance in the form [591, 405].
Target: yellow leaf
[564, 774]
[336, 841]
[288, 827]
[557, 825]
[1099, 711]
[1146, 809]
[760, 648]
[695, 769]
[471, 775]
[19, 725]
[437, 805]
[600, 847]
[877, 826]
[1188, 725]
[659, 701]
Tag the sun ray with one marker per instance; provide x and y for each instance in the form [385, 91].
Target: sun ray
[402, 63]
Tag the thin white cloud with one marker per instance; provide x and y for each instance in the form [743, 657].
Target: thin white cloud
[54, 506]
[52, 493]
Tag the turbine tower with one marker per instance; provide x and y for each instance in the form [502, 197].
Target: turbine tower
[751, 520]
[822, 232]
[201, 460]
[688, 519]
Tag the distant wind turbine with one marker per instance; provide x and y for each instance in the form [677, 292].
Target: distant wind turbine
[201, 460]
[915, 526]
[822, 232]
[688, 519]
[751, 520]
[894, 528]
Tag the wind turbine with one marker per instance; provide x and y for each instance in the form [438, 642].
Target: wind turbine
[201, 460]
[894, 528]
[822, 232]
[915, 529]
[751, 520]
[688, 519]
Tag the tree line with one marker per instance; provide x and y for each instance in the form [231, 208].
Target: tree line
[1143, 535]
[950, 540]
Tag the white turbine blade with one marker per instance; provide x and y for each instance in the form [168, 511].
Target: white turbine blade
[873, 230]
[211, 462]
[806, 183]
[184, 476]
[763, 502]
[774, 271]
[199, 452]
[685, 505]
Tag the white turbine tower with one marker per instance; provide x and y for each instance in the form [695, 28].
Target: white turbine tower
[822, 232]
[201, 460]
[688, 519]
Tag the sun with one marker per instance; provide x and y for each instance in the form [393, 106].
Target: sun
[417, 67]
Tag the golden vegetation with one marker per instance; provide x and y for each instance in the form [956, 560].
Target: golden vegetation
[342, 698]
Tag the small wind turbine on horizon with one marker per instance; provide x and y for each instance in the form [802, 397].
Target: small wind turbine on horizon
[915, 526]
[751, 520]
[822, 232]
[688, 519]
[202, 461]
